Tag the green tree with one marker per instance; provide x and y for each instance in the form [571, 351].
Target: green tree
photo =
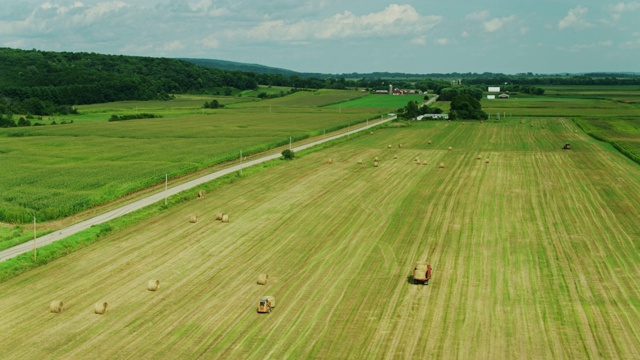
[465, 106]
[288, 154]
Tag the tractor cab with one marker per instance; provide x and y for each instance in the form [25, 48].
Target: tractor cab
[566, 146]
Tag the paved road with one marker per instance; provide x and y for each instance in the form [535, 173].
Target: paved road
[83, 225]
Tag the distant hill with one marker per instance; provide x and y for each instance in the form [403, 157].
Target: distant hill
[256, 68]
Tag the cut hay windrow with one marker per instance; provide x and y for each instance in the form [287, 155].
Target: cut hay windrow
[56, 306]
[262, 279]
[100, 307]
[153, 285]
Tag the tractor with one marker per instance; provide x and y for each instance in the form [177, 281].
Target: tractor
[422, 273]
[266, 304]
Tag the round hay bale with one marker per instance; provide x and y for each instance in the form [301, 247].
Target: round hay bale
[201, 194]
[479, 157]
[193, 219]
[330, 161]
[375, 164]
[360, 161]
[400, 145]
[218, 216]
[530, 125]
[441, 166]
[375, 159]
[429, 142]
[450, 148]
[100, 307]
[521, 121]
[389, 146]
[153, 285]
[425, 162]
[395, 156]
[486, 161]
[56, 306]
[481, 122]
[262, 279]
[225, 218]
[371, 133]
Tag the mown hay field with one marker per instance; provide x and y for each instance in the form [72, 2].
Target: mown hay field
[534, 255]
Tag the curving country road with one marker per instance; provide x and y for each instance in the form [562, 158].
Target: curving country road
[139, 204]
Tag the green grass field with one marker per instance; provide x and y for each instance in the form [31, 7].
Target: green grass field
[534, 255]
[60, 170]
[383, 102]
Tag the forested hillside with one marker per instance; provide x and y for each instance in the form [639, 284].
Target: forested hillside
[39, 82]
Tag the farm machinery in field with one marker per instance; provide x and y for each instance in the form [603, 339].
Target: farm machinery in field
[266, 304]
[422, 273]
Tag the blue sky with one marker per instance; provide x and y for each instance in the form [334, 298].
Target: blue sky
[337, 36]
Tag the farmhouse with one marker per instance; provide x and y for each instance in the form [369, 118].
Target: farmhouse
[493, 89]
[491, 97]
[433, 116]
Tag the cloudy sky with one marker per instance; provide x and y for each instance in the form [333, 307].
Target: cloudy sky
[338, 36]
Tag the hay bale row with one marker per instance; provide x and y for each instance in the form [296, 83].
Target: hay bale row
[193, 219]
[262, 279]
[153, 285]
[56, 306]
[100, 308]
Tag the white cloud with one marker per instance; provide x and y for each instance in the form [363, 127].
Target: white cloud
[210, 42]
[464, 34]
[478, 16]
[442, 41]
[496, 24]
[393, 20]
[620, 8]
[575, 19]
[172, 45]
[578, 47]
[421, 40]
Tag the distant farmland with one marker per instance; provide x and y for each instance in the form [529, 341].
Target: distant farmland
[534, 255]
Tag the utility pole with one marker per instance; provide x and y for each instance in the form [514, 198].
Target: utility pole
[34, 238]
[240, 162]
[166, 180]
